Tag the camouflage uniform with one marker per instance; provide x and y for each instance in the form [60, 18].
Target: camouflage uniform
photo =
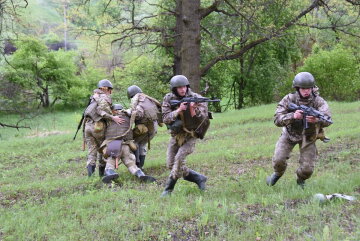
[181, 143]
[293, 133]
[123, 135]
[97, 114]
[146, 109]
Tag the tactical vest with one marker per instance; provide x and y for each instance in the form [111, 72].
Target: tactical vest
[91, 112]
[198, 126]
[151, 110]
[297, 126]
[116, 131]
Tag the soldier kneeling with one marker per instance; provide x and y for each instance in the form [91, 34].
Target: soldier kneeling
[118, 144]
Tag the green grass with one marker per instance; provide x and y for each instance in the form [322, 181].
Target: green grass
[46, 195]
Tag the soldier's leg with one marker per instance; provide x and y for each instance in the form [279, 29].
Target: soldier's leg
[100, 137]
[102, 164]
[109, 173]
[171, 153]
[282, 152]
[188, 174]
[92, 148]
[170, 160]
[142, 154]
[179, 168]
[128, 158]
[307, 160]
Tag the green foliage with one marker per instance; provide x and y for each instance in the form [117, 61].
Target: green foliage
[336, 73]
[47, 75]
[150, 72]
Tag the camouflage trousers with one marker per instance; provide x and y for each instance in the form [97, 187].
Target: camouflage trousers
[176, 155]
[93, 141]
[126, 157]
[282, 152]
[142, 140]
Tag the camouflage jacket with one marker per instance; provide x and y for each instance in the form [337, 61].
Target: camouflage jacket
[170, 114]
[146, 107]
[293, 128]
[99, 107]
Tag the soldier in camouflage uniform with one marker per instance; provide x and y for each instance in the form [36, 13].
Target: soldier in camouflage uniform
[146, 110]
[293, 131]
[118, 144]
[183, 122]
[97, 114]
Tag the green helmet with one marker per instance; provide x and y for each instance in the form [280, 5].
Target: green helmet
[304, 80]
[105, 83]
[133, 90]
[179, 80]
[117, 107]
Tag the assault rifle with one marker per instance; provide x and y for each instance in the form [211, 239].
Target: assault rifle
[174, 103]
[81, 121]
[309, 111]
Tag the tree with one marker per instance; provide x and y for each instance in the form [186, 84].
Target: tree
[137, 25]
[48, 75]
[336, 72]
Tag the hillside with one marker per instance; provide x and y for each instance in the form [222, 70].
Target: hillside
[46, 195]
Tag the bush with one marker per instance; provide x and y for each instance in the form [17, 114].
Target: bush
[336, 73]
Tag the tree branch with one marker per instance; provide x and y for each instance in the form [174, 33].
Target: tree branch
[213, 7]
[13, 126]
[252, 44]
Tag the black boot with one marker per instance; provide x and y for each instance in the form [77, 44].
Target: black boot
[143, 177]
[271, 180]
[141, 161]
[110, 175]
[90, 169]
[169, 186]
[301, 183]
[101, 171]
[199, 179]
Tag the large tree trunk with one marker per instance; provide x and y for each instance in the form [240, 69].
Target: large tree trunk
[187, 47]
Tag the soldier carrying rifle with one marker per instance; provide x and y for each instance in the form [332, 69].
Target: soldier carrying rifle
[187, 120]
[302, 115]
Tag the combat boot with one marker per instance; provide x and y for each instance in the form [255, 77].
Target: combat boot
[101, 171]
[143, 177]
[169, 186]
[197, 178]
[141, 161]
[271, 180]
[301, 183]
[90, 169]
[110, 175]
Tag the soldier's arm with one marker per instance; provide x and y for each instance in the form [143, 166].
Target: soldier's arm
[169, 115]
[323, 108]
[282, 117]
[104, 109]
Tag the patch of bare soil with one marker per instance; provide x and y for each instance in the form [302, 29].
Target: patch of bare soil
[47, 133]
[190, 230]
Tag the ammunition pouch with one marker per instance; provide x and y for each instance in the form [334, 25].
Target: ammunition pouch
[113, 149]
[140, 129]
[132, 145]
[176, 127]
[99, 126]
[201, 130]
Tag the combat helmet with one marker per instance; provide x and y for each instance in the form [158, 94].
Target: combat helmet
[105, 83]
[133, 90]
[179, 80]
[117, 107]
[304, 80]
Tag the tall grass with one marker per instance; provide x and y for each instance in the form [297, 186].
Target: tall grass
[46, 195]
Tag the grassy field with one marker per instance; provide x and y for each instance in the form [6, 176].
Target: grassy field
[46, 195]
